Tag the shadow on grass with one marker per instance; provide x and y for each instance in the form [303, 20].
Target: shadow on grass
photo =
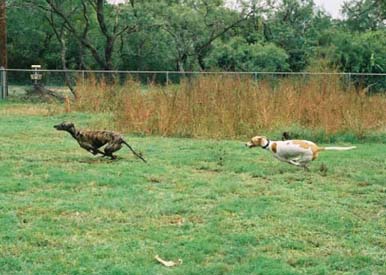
[61, 158]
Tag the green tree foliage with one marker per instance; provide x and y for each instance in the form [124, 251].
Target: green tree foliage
[238, 55]
[297, 27]
[193, 27]
[30, 40]
[362, 53]
[364, 15]
[259, 35]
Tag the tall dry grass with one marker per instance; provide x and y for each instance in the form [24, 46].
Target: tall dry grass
[224, 106]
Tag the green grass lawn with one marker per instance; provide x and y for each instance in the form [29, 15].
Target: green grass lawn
[219, 206]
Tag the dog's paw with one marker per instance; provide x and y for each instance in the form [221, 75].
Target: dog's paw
[323, 169]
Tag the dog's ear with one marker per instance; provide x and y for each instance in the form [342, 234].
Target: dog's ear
[286, 136]
[257, 140]
[262, 140]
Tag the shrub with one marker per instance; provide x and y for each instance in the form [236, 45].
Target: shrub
[235, 106]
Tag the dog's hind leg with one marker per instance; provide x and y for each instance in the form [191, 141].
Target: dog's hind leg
[111, 148]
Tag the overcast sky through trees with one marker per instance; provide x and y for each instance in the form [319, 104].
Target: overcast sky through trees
[332, 7]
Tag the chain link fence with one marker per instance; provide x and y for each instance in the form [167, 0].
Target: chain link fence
[19, 82]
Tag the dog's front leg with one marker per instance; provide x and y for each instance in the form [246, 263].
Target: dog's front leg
[88, 147]
[293, 162]
[304, 165]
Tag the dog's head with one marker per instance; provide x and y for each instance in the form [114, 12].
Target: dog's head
[256, 141]
[65, 126]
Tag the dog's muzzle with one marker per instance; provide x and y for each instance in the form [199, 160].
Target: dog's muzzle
[249, 144]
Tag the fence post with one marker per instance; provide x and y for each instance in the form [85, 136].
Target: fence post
[83, 77]
[4, 84]
[167, 78]
[349, 81]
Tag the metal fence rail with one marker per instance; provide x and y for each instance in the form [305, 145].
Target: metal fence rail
[196, 72]
[16, 81]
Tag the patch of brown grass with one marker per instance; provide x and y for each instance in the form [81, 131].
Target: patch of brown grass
[30, 109]
[224, 106]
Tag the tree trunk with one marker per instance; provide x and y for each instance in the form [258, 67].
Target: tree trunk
[201, 63]
[109, 53]
[3, 35]
[67, 78]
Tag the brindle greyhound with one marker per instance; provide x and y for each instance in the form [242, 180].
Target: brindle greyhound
[93, 140]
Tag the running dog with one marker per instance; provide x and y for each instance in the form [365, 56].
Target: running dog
[295, 152]
[93, 140]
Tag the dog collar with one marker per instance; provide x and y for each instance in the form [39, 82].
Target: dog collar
[266, 146]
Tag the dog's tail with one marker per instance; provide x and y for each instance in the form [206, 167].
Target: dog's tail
[336, 148]
[132, 150]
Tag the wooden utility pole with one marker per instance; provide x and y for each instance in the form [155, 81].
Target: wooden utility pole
[3, 35]
[3, 51]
